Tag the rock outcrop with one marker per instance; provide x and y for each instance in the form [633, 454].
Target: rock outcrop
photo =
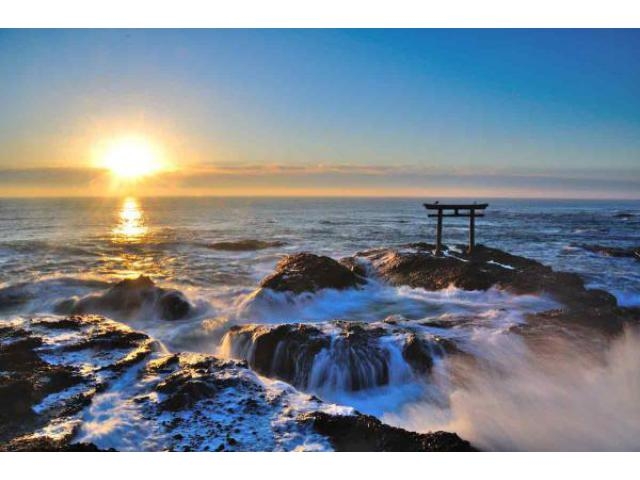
[58, 373]
[13, 296]
[127, 297]
[339, 356]
[245, 245]
[416, 266]
[306, 272]
[363, 433]
[37, 385]
[489, 267]
[619, 252]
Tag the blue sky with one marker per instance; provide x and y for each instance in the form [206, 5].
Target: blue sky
[513, 112]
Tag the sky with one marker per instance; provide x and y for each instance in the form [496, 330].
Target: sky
[487, 113]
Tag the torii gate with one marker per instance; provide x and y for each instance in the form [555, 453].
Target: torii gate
[456, 213]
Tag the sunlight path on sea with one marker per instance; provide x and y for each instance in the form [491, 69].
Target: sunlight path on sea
[132, 226]
[131, 252]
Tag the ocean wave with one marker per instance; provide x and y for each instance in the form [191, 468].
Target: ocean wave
[40, 295]
[376, 301]
[27, 247]
[565, 397]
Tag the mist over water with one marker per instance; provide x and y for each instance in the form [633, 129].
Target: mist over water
[502, 390]
[572, 396]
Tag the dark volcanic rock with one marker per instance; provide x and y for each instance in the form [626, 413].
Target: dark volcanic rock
[128, 297]
[68, 323]
[25, 379]
[16, 398]
[427, 271]
[36, 390]
[286, 351]
[306, 272]
[489, 267]
[482, 270]
[364, 433]
[108, 339]
[193, 402]
[13, 296]
[187, 394]
[189, 380]
[19, 354]
[421, 269]
[29, 378]
[351, 357]
[417, 355]
[43, 443]
[355, 265]
[246, 245]
[173, 305]
[613, 251]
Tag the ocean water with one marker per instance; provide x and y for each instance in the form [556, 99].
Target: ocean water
[167, 238]
[56, 249]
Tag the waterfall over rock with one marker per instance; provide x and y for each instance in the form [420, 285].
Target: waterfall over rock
[333, 357]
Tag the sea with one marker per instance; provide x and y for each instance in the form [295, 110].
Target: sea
[53, 249]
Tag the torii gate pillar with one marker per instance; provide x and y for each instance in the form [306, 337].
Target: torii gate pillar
[471, 213]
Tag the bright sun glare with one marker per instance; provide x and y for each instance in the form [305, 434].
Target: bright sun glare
[131, 157]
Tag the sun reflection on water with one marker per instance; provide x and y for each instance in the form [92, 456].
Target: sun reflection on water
[133, 246]
[133, 250]
[131, 227]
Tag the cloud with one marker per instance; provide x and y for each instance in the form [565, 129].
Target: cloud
[50, 177]
[329, 179]
[311, 169]
[413, 178]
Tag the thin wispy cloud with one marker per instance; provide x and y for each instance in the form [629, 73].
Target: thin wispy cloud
[281, 179]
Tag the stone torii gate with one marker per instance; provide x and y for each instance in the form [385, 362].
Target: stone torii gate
[456, 208]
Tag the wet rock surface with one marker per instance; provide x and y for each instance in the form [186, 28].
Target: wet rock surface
[43, 378]
[86, 383]
[128, 297]
[486, 268]
[173, 305]
[66, 380]
[419, 354]
[345, 356]
[619, 252]
[13, 296]
[48, 444]
[286, 351]
[416, 266]
[306, 272]
[491, 268]
[364, 433]
[246, 245]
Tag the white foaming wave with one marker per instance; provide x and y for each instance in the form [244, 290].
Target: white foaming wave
[476, 321]
[330, 380]
[566, 398]
[268, 306]
[626, 298]
[40, 295]
[376, 301]
[115, 420]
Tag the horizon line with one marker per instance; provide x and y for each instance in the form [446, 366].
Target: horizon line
[311, 196]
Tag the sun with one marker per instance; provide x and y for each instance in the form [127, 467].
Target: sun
[130, 158]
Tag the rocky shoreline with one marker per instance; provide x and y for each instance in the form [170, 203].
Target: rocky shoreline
[416, 266]
[58, 371]
[54, 369]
